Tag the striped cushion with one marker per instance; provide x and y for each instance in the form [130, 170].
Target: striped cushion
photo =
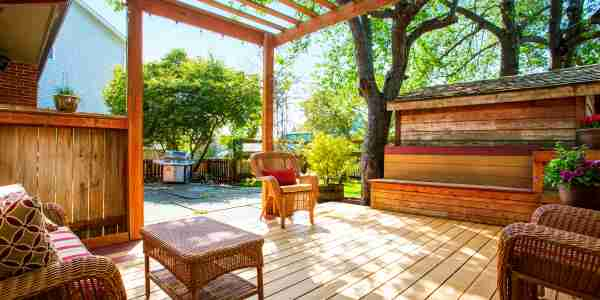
[68, 246]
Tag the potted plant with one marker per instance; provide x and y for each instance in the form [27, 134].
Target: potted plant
[330, 157]
[589, 134]
[65, 99]
[577, 179]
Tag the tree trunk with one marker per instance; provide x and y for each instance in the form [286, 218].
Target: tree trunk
[374, 144]
[510, 56]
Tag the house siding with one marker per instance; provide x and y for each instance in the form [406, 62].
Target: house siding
[18, 84]
[84, 56]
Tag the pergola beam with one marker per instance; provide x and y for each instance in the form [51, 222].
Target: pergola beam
[270, 11]
[188, 14]
[242, 14]
[326, 4]
[299, 8]
[29, 2]
[342, 13]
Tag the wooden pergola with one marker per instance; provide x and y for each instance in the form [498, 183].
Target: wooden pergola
[231, 26]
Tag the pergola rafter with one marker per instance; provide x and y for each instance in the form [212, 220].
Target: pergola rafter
[226, 25]
[242, 14]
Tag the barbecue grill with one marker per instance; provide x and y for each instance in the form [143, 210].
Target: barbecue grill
[177, 167]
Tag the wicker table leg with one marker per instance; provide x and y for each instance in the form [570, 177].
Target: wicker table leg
[147, 275]
[259, 283]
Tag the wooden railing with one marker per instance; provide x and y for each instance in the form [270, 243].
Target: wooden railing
[76, 160]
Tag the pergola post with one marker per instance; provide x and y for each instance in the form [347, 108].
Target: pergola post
[267, 95]
[135, 114]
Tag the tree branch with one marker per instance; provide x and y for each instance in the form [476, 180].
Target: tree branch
[583, 37]
[480, 20]
[433, 24]
[382, 14]
[464, 38]
[595, 18]
[534, 39]
[488, 47]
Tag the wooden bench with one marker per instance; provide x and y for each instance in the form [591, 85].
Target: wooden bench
[491, 185]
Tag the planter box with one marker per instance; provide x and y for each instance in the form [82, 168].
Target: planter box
[584, 197]
[331, 192]
[589, 137]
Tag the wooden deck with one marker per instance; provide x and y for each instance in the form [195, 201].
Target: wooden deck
[354, 252]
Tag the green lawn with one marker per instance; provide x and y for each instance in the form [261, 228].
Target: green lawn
[352, 189]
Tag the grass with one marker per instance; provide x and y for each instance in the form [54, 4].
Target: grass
[352, 189]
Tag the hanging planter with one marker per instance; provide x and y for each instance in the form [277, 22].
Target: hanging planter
[66, 100]
[589, 134]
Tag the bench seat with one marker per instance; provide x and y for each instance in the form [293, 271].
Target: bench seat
[476, 203]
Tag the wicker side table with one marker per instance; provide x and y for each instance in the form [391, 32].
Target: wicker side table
[198, 255]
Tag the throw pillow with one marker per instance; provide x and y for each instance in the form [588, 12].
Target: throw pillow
[24, 242]
[284, 177]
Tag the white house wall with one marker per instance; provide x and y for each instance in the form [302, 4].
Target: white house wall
[85, 54]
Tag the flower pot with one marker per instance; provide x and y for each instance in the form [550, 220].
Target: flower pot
[331, 192]
[589, 137]
[580, 196]
[66, 103]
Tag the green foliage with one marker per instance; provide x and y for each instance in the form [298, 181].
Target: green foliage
[65, 91]
[335, 113]
[186, 100]
[570, 168]
[330, 157]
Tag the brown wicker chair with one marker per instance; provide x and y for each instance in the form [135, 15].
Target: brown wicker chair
[92, 277]
[559, 249]
[282, 201]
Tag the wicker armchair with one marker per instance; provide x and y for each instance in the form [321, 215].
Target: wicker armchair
[91, 277]
[559, 249]
[282, 201]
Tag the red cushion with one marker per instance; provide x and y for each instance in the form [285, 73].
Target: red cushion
[284, 177]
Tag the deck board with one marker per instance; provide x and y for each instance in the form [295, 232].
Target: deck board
[354, 252]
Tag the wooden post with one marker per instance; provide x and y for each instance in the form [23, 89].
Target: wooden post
[267, 96]
[580, 110]
[135, 114]
[398, 129]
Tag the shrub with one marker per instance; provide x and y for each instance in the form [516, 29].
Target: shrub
[330, 157]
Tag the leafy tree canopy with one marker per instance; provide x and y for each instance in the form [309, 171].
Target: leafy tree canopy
[186, 100]
[336, 113]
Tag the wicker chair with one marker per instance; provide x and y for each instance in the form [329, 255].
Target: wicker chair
[282, 201]
[559, 249]
[91, 277]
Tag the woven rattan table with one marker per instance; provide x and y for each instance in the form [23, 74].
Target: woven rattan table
[198, 255]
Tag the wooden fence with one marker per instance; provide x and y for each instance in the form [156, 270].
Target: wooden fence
[210, 170]
[77, 161]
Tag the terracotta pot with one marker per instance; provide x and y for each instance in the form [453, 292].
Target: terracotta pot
[66, 103]
[331, 192]
[589, 137]
[584, 197]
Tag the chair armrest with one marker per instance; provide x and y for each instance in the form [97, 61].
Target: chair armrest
[271, 184]
[55, 213]
[568, 218]
[99, 274]
[312, 180]
[559, 257]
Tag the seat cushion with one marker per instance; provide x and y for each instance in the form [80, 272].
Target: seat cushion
[283, 176]
[24, 242]
[68, 245]
[303, 187]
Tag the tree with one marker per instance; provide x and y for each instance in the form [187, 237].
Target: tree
[409, 21]
[511, 33]
[570, 32]
[335, 113]
[186, 100]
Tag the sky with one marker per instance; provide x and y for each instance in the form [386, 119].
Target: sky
[162, 35]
